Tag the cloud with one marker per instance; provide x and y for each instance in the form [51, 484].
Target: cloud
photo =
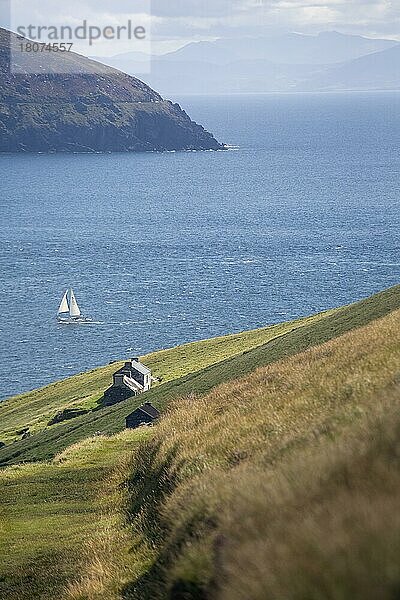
[180, 21]
[241, 17]
[206, 9]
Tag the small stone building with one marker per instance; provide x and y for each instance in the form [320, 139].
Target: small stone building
[132, 379]
[144, 415]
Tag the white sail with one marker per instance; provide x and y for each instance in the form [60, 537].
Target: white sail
[64, 308]
[74, 308]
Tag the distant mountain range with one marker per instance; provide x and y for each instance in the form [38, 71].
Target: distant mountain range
[64, 102]
[329, 61]
[377, 71]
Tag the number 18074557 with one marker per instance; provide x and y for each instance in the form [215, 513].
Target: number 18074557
[45, 47]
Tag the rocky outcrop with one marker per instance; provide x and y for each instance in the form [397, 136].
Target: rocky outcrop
[87, 107]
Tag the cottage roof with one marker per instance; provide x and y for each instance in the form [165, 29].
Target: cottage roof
[134, 364]
[147, 409]
[141, 368]
[150, 410]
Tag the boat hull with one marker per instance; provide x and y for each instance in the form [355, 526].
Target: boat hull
[73, 320]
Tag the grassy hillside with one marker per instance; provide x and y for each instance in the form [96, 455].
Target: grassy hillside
[51, 511]
[292, 338]
[35, 409]
[282, 484]
[273, 474]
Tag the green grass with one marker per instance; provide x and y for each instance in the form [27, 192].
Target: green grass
[282, 484]
[51, 512]
[259, 482]
[290, 339]
[35, 409]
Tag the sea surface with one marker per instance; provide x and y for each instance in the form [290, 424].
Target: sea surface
[302, 214]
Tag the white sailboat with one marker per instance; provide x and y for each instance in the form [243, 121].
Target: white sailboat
[69, 311]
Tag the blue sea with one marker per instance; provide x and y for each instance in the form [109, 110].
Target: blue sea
[301, 214]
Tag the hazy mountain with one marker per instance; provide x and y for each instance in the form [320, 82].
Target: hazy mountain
[285, 63]
[378, 71]
[76, 104]
[292, 48]
[135, 56]
[245, 76]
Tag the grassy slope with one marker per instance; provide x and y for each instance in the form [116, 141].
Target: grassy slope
[202, 476]
[296, 339]
[283, 484]
[49, 513]
[35, 409]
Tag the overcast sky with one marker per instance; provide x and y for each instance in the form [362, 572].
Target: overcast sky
[176, 22]
[199, 18]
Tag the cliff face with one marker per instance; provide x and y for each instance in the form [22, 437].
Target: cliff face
[88, 107]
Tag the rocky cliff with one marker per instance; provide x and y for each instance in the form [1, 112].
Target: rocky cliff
[73, 104]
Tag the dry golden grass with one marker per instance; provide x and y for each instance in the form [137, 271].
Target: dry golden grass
[325, 525]
[283, 484]
[284, 402]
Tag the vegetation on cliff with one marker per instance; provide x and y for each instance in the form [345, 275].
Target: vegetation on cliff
[64, 102]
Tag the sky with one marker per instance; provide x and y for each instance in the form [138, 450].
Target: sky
[194, 19]
[174, 23]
